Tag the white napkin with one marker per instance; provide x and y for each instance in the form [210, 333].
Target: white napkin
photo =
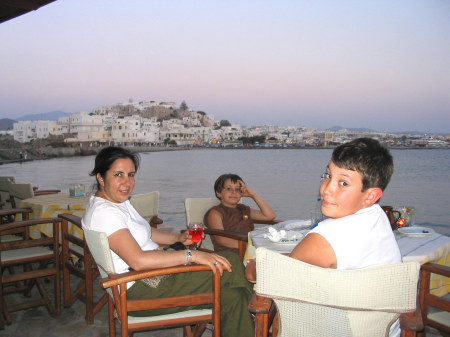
[274, 235]
[282, 235]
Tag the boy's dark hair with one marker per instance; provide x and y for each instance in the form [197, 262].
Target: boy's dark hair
[220, 182]
[368, 157]
[106, 157]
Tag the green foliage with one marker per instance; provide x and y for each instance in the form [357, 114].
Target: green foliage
[251, 140]
[183, 106]
[169, 141]
[224, 122]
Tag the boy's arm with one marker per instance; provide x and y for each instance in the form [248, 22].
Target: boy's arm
[315, 249]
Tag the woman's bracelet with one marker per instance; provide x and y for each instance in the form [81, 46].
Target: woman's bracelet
[188, 257]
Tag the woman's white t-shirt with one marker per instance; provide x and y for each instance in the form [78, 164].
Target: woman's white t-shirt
[105, 216]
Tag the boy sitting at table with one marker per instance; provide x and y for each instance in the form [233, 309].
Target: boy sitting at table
[357, 233]
[231, 215]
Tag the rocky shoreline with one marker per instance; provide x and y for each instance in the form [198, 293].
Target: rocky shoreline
[17, 155]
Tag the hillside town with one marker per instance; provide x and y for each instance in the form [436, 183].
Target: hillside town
[148, 123]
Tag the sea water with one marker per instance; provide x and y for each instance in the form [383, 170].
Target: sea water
[288, 179]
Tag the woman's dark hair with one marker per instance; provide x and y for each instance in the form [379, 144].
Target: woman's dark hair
[368, 157]
[107, 156]
[220, 182]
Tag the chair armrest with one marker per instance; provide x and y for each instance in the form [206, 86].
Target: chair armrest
[12, 211]
[412, 321]
[241, 238]
[436, 269]
[118, 279]
[228, 234]
[155, 221]
[260, 304]
[76, 220]
[267, 222]
[27, 223]
[43, 192]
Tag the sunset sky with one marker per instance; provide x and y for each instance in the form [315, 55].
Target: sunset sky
[383, 65]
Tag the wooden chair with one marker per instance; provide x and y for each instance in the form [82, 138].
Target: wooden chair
[315, 301]
[39, 259]
[78, 262]
[147, 205]
[435, 309]
[11, 213]
[5, 183]
[119, 306]
[196, 209]
[21, 191]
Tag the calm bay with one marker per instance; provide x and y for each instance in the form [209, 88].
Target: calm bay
[288, 179]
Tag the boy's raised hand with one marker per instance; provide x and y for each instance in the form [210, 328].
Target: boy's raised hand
[246, 191]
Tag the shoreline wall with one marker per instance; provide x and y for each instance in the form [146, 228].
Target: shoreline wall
[16, 155]
[13, 155]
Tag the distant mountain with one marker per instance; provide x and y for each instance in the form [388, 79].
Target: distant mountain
[6, 124]
[337, 128]
[47, 116]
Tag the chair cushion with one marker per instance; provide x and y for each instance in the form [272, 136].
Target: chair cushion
[76, 248]
[25, 253]
[181, 314]
[11, 237]
[442, 317]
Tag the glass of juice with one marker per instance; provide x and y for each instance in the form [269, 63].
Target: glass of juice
[196, 232]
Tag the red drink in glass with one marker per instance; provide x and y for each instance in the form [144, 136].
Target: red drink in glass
[196, 234]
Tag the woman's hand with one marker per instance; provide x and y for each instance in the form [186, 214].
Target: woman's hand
[185, 238]
[214, 261]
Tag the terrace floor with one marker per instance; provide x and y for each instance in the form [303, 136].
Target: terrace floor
[37, 322]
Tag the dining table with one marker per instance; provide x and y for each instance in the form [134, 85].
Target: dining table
[421, 244]
[49, 206]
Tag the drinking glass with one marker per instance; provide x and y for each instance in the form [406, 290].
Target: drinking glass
[316, 217]
[196, 231]
[408, 214]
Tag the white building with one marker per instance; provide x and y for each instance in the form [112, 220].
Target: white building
[82, 122]
[134, 129]
[232, 132]
[26, 131]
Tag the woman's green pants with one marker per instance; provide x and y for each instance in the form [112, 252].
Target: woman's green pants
[236, 292]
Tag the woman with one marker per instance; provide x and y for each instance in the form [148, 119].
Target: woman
[134, 246]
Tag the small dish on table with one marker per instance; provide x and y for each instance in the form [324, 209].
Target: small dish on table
[416, 231]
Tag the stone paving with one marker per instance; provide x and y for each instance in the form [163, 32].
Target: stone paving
[37, 322]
